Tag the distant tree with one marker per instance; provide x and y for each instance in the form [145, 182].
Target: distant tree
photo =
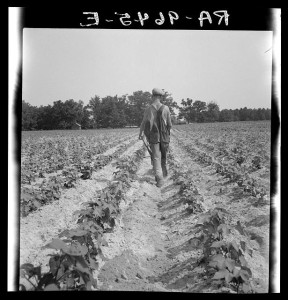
[213, 112]
[29, 116]
[187, 111]
[95, 107]
[226, 115]
[87, 118]
[243, 114]
[231, 114]
[252, 115]
[168, 100]
[261, 114]
[122, 106]
[117, 118]
[267, 114]
[59, 115]
[199, 107]
[104, 119]
[137, 102]
[46, 118]
[66, 113]
[236, 114]
[117, 112]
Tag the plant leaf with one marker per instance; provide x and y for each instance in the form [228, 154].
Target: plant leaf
[81, 265]
[54, 263]
[46, 279]
[60, 272]
[70, 282]
[77, 232]
[76, 249]
[93, 263]
[51, 287]
[250, 252]
[225, 229]
[219, 258]
[243, 245]
[37, 271]
[203, 218]
[247, 269]
[81, 281]
[27, 267]
[228, 277]
[243, 261]
[240, 228]
[22, 273]
[220, 274]
[36, 204]
[230, 264]
[213, 264]
[236, 272]
[57, 244]
[217, 244]
[244, 275]
[246, 288]
[235, 246]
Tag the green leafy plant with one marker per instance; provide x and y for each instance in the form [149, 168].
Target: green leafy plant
[188, 192]
[231, 266]
[68, 271]
[72, 268]
[224, 261]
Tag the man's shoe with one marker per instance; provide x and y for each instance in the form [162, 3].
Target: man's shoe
[160, 183]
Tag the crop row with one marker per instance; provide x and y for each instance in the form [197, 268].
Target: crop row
[222, 259]
[234, 173]
[50, 155]
[245, 145]
[79, 250]
[39, 194]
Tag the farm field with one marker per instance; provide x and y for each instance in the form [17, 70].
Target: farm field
[92, 217]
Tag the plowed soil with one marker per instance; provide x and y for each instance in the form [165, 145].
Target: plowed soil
[150, 248]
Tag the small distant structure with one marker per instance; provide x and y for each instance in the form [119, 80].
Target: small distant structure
[182, 121]
[76, 126]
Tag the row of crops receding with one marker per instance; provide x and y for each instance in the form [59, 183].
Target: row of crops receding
[50, 165]
[79, 249]
[239, 154]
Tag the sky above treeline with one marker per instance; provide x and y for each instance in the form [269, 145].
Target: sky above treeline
[232, 68]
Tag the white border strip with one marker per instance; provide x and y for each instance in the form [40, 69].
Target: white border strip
[14, 63]
[275, 276]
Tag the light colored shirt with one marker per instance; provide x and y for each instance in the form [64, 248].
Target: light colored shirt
[151, 113]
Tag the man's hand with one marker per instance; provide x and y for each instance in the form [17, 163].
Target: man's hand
[140, 136]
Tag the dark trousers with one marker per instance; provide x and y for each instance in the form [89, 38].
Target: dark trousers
[159, 157]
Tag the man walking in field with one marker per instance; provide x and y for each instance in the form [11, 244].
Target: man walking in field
[156, 125]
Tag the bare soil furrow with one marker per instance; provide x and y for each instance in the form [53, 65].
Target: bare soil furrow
[151, 247]
[254, 218]
[39, 227]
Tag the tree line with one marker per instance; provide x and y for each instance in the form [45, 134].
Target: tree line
[127, 110]
[198, 111]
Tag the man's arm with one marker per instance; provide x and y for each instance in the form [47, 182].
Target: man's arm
[142, 125]
[169, 123]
